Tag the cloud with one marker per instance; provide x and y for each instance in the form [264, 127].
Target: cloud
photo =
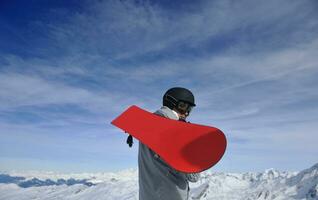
[121, 30]
[41, 83]
[250, 65]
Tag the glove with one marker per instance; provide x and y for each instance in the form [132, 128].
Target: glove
[130, 141]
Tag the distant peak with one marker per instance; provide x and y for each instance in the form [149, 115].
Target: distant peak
[315, 166]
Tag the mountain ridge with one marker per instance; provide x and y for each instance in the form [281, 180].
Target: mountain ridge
[267, 185]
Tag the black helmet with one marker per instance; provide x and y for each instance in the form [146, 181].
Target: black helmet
[177, 94]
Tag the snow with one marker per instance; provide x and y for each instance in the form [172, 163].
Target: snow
[271, 184]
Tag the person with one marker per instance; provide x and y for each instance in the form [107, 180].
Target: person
[157, 180]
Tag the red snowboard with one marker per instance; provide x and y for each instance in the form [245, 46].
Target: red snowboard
[184, 146]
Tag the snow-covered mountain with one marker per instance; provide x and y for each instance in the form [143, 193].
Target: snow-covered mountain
[271, 184]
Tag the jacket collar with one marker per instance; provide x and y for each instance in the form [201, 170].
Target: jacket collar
[168, 113]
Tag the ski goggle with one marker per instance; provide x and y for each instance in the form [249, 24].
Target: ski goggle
[181, 106]
[184, 108]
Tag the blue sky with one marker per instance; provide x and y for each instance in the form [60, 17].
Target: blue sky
[67, 68]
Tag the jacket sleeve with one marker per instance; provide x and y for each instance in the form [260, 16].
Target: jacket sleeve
[192, 177]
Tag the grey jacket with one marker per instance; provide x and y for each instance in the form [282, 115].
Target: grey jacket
[157, 180]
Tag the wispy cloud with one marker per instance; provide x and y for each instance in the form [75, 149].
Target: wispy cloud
[251, 66]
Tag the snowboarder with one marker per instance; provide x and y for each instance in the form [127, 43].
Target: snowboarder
[157, 180]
